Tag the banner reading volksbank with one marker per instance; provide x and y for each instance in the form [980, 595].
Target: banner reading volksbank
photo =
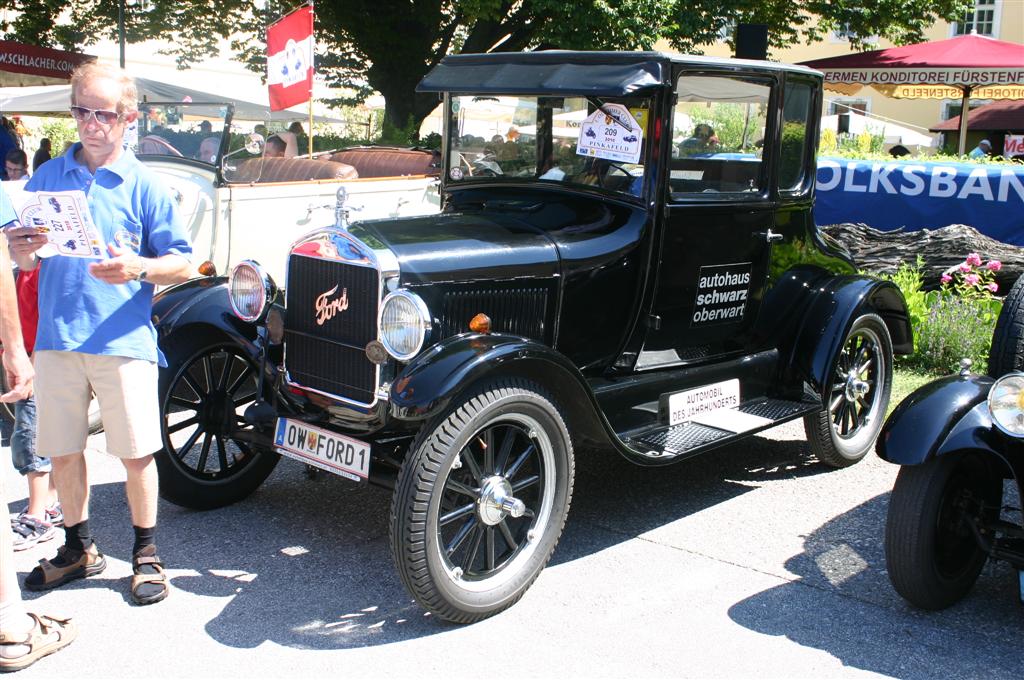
[919, 195]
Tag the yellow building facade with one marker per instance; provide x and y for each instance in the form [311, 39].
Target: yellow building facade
[1001, 19]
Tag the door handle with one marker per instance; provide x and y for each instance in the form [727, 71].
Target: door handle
[769, 236]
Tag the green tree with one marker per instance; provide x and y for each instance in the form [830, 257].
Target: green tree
[389, 45]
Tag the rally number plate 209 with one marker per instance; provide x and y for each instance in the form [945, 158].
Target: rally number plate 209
[324, 449]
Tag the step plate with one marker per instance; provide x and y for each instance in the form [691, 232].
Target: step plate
[755, 415]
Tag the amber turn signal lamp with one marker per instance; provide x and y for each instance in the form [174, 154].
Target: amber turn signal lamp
[208, 269]
[481, 323]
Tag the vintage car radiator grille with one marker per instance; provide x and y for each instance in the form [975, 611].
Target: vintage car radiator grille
[520, 310]
[331, 356]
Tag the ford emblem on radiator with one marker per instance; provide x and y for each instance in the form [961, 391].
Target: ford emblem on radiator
[327, 308]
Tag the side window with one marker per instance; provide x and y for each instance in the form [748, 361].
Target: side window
[718, 133]
[796, 113]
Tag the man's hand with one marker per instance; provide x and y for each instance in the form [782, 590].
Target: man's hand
[19, 374]
[24, 241]
[122, 267]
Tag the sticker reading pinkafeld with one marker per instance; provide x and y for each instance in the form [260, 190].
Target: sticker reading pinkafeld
[64, 218]
[612, 133]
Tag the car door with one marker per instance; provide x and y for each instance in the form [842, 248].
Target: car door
[718, 219]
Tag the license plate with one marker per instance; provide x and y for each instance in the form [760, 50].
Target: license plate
[685, 406]
[323, 449]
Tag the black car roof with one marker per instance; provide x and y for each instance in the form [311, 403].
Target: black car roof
[606, 74]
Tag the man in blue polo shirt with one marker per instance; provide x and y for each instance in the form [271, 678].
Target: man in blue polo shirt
[95, 332]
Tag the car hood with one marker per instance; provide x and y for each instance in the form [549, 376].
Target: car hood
[456, 246]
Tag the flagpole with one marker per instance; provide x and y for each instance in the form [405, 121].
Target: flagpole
[312, 58]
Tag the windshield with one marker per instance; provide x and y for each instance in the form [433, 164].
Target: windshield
[584, 141]
[180, 129]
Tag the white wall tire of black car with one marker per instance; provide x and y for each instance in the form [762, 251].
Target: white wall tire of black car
[844, 431]
[931, 554]
[457, 560]
[1008, 338]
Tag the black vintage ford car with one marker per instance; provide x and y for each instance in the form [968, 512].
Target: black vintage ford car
[625, 259]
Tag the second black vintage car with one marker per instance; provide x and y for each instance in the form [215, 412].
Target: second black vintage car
[625, 259]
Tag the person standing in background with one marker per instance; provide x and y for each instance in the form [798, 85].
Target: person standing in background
[42, 153]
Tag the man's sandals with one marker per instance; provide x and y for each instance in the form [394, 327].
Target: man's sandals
[67, 566]
[149, 583]
[48, 634]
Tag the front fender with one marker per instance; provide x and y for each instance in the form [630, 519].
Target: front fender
[200, 303]
[833, 310]
[945, 415]
[432, 380]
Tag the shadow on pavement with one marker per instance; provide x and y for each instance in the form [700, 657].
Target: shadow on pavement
[841, 558]
[307, 564]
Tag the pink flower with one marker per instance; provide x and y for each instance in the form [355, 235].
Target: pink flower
[946, 278]
[993, 287]
[972, 279]
[964, 267]
[994, 265]
[974, 259]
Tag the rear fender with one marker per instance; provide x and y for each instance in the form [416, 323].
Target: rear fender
[836, 305]
[436, 378]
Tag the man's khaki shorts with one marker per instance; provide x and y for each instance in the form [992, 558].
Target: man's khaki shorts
[127, 393]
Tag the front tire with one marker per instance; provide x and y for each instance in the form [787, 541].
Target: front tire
[205, 462]
[931, 553]
[481, 501]
[856, 396]
[1007, 352]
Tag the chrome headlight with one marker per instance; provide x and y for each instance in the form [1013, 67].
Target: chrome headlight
[1006, 404]
[404, 322]
[250, 290]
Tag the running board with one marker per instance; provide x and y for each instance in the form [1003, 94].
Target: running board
[661, 443]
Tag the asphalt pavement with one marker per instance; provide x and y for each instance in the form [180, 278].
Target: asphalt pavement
[751, 561]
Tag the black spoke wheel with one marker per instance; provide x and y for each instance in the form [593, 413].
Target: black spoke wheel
[931, 552]
[856, 395]
[481, 501]
[207, 462]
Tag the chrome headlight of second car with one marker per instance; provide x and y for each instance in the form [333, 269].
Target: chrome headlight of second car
[404, 323]
[1006, 404]
[251, 290]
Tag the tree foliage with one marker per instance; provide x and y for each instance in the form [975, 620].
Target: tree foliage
[389, 45]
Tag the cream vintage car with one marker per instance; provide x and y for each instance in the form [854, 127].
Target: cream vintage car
[238, 204]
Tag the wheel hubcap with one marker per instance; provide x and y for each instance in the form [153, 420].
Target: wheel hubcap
[497, 502]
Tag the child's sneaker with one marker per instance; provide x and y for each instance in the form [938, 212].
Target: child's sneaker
[29, 531]
[54, 515]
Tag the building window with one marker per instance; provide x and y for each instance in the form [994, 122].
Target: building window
[951, 107]
[982, 19]
[844, 34]
[727, 31]
[848, 104]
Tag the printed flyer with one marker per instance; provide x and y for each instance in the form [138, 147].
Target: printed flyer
[64, 217]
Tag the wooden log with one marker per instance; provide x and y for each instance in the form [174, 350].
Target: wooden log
[942, 250]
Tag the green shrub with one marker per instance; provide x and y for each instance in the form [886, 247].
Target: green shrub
[954, 328]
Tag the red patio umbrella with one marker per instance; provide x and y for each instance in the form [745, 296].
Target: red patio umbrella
[943, 69]
[30, 65]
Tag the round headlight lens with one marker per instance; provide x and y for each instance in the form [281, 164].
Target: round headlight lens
[1006, 404]
[404, 322]
[250, 290]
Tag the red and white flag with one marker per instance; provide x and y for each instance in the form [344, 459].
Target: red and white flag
[290, 59]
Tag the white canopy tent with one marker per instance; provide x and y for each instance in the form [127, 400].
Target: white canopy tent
[55, 101]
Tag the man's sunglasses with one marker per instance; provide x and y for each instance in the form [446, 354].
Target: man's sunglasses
[82, 114]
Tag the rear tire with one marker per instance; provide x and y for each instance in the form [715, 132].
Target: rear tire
[1007, 353]
[931, 554]
[460, 555]
[856, 396]
[203, 391]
